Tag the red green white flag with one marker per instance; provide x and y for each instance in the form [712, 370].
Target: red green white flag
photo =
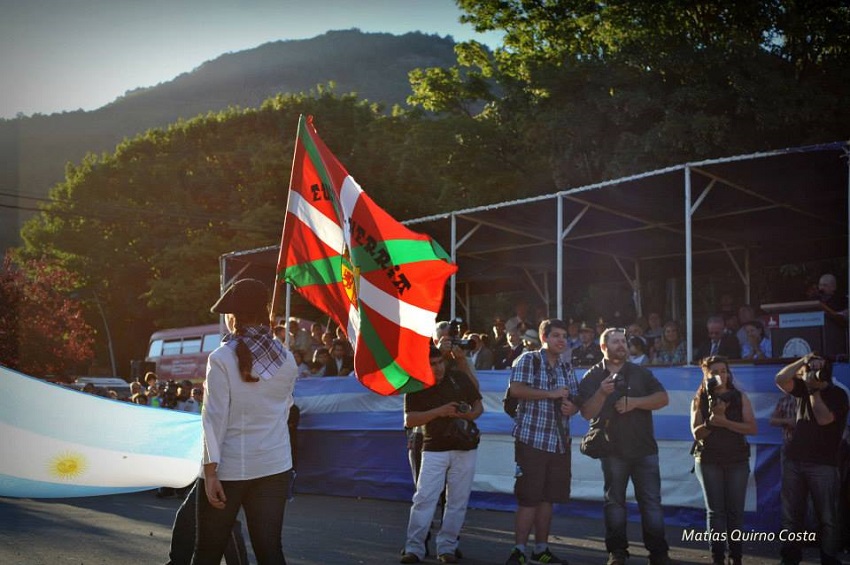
[379, 281]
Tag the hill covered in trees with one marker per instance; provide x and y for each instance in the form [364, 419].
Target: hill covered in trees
[34, 150]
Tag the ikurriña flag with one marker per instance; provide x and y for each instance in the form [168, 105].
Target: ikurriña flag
[381, 282]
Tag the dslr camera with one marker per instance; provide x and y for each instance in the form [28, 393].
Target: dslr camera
[818, 369]
[711, 389]
[454, 334]
[621, 385]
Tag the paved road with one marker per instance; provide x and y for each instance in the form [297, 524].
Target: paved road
[319, 530]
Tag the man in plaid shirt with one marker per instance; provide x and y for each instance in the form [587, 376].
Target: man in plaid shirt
[545, 386]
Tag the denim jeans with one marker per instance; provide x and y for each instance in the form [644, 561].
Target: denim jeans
[724, 488]
[183, 536]
[264, 502]
[646, 477]
[799, 480]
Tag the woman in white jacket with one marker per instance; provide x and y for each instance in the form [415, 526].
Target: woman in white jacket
[247, 454]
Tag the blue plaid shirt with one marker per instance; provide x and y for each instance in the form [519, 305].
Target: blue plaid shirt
[535, 422]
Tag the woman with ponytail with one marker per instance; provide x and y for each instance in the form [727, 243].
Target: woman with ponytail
[247, 460]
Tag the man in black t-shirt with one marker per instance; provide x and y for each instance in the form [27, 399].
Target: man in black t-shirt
[624, 395]
[810, 467]
[448, 460]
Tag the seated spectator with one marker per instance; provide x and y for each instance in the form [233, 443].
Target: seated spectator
[655, 327]
[280, 333]
[746, 313]
[717, 343]
[299, 338]
[672, 349]
[316, 331]
[531, 340]
[732, 325]
[303, 366]
[500, 334]
[634, 329]
[321, 358]
[340, 363]
[588, 353]
[758, 345]
[514, 349]
[520, 318]
[637, 350]
[573, 339]
[829, 296]
[480, 356]
[601, 326]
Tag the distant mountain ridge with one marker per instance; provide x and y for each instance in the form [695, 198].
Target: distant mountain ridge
[34, 150]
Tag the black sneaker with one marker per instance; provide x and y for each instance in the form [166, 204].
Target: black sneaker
[409, 558]
[617, 558]
[547, 557]
[516, 558]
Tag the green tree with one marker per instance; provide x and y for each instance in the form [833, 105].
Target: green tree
[143, 227]
[610, 88]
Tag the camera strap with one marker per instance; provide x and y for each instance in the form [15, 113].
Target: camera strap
[542, 365]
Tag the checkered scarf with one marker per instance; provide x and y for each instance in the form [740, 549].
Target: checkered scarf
[268, 353]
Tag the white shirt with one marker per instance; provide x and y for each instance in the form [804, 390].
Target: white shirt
[245, 424]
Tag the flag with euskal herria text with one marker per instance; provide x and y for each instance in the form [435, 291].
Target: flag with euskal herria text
[379, 281]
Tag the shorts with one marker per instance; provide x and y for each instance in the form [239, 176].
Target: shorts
[545, 476]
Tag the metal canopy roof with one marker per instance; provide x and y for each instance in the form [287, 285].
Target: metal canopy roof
[761, 209]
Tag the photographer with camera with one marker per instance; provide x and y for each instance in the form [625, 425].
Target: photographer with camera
[811, 456]
[545, 387]
[625, 394]
[446, 412]
[721, 415]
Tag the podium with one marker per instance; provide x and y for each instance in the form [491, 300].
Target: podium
[797, 328]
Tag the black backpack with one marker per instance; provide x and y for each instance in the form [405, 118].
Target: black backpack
[509, 403]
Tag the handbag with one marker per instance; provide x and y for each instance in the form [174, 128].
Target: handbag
[596, 443]
[464, 434]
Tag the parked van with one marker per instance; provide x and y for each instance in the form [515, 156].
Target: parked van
[117, 384]
[181, 353]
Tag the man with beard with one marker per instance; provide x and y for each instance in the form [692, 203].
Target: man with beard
[623, 395]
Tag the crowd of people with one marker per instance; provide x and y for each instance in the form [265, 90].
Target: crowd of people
[184, 395]
[604, 374]
[558, 369]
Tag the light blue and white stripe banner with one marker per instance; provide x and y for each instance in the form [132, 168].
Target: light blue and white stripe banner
[58, 442]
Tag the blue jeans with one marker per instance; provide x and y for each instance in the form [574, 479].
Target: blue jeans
[646, 477]
[724, 488]
[799, 480]
[264, 501]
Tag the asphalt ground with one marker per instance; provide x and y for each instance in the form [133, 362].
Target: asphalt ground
[135, 529]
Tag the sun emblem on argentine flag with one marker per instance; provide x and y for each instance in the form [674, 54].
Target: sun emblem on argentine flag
[67, 465]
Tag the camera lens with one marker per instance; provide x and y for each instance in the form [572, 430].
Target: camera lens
[463, 407]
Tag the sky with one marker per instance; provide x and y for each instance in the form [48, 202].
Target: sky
[65, 55]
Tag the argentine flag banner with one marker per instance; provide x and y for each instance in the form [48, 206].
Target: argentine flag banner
[58, 442]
